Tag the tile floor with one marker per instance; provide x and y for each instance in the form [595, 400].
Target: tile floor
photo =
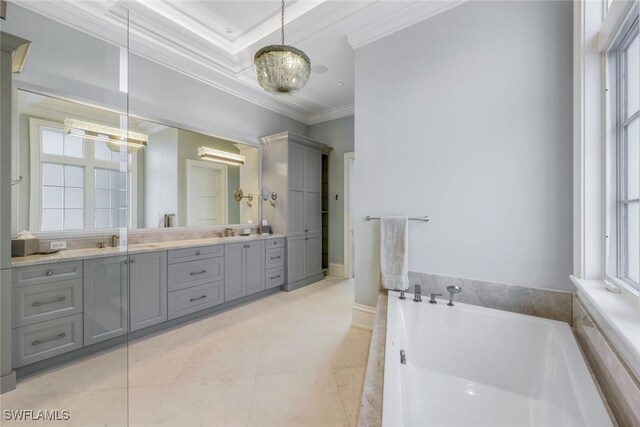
[287, 359]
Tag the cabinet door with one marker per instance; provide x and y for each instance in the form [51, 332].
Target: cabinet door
[254, 267]
[296, 166]
[105, 298]
[313, 202]
[313, 169]
[296, 258]
[234, 285]
[148, 274]
[313, 255]
[313, 213]
[297, 206]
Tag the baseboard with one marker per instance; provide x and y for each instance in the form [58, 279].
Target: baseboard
[8, 382]
[336, 270]
[362, 316]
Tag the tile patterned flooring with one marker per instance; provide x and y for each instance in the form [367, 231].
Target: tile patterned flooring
[287, 359]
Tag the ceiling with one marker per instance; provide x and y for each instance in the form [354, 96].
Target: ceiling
[215, 41]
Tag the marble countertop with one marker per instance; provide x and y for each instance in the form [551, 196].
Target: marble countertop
[78, 254]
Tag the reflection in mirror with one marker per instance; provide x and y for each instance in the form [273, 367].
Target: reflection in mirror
[91, 175]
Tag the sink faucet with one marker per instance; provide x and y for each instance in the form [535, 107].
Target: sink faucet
[417, 295]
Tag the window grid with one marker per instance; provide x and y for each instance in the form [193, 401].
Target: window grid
[628, 149]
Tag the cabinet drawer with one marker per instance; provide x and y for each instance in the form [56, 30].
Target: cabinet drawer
[192, 254]
[274, 243]
[46, 273]
[275, 257]
[275, 277]
[193, 273]
[195, 299]
[48, 301]
[37, 342]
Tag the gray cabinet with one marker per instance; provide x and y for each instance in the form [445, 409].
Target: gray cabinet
[148, 289]
[244, 269]
[298, 212]
[105, 298]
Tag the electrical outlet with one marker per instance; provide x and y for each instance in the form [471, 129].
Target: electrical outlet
[58, 245]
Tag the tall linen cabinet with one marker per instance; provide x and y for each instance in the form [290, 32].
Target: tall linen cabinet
[292, 169]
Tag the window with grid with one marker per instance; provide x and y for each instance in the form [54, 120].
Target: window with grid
[628, 155]
[81, 185]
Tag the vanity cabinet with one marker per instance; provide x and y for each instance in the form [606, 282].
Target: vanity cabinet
[244, 266]
[106, 289]
[298, 211]
[148, 295]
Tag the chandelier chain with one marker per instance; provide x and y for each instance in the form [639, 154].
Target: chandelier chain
[282, 20]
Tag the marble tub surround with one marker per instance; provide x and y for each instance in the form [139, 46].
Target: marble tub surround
[619, 386]
[78, 254]
[371, 402]
[546, 303]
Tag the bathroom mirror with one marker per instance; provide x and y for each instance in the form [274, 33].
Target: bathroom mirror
[80, 175]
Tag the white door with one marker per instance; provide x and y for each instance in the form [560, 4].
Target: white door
[349, 253]
[207, 193]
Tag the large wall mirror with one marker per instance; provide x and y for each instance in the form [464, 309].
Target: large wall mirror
[75, 180]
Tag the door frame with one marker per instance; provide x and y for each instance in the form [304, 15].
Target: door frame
[348, 199]
[225, 196]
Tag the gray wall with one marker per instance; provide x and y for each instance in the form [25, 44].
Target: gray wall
[339, 134]
[466, 117]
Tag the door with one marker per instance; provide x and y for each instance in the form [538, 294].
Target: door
[349, 253]
[206, 193]
[148, 273]
[254, 267]
[313, 255]
[105, 298]
[296, 258]
[234, 285]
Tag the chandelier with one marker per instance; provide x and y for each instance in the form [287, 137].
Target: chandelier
[282, 68]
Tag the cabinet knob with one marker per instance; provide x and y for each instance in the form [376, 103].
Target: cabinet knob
[306, 231]
[306, 238]
[197, 252]
[49, 272]
[133, 260]
[126, 261]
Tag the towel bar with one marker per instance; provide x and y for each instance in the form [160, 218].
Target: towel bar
[374, 218]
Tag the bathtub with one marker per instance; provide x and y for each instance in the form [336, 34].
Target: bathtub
[473, 366]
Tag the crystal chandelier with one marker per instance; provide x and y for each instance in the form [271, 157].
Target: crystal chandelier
[282, 68]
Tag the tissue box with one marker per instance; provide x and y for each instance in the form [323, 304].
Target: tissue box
[25, 247]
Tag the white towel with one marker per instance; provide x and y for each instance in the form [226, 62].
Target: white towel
[394, 252]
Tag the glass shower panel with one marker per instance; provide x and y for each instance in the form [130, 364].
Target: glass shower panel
[70, 320]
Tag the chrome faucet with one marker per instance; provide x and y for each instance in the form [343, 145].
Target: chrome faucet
[417, 295]
[433, 298]
[452, 291]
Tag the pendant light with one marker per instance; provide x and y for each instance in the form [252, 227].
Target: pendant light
[282, 68]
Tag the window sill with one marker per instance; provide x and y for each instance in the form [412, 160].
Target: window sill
[616, 316]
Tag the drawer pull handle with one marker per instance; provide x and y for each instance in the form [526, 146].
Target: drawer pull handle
[275, 257]
[306, 238]
[49, 272]
[44, 340]
[195, 273]
[247, 246]
[197, 298]
[275, 277]
[306, 231]
[197, 252]
[52, 301]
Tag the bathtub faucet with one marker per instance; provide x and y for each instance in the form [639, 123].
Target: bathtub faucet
[452, 291]
[417, 294]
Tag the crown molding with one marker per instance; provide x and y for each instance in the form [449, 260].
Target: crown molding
[331, 114]
[398, 20]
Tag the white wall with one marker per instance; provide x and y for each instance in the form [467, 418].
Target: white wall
[466, 117]
[339, 134]
[68, 63]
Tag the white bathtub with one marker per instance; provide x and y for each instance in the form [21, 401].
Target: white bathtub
[474, 366]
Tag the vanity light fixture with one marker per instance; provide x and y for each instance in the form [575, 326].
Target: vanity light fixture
[219, 156]
[114, 137]
[282, 68]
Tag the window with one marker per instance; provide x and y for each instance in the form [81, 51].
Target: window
[76, 184]
[626, 58]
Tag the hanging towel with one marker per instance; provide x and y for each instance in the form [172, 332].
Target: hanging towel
[394, 252]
